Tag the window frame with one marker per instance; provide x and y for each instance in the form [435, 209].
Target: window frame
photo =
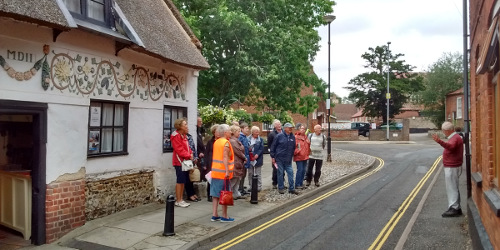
[170, 127]
[124, 127]
[459, 108]
[84, 15]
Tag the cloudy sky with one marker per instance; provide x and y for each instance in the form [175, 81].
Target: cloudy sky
[422, 30]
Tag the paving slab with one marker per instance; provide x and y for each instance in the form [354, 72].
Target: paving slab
[113, 237]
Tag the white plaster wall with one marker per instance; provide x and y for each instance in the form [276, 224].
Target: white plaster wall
[66, 139]
[68, 112]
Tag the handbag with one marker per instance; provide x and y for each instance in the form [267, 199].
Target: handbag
[186, 164]
[194, 175]
[226, 195]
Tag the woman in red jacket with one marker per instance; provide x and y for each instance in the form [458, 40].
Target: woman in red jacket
[181, 152]
[301, 154]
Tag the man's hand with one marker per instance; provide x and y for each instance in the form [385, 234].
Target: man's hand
[435, 137]
[255, 157]
[227, 173]
[273, 160]
[201, 155]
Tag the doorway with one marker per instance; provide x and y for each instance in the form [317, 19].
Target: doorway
[23, 139]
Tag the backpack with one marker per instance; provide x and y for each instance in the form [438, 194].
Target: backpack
[324, 139]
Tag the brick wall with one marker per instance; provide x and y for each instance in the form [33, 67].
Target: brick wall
[343, 135]
[105, 197]
[482, 115]
[64, 208]
[451, 106]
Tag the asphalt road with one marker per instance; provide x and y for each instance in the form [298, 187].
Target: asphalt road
[354, 217]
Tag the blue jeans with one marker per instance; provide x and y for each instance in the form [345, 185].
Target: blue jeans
[301, 171]
[285, 167]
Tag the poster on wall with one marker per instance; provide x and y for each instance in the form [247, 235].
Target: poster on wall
[167, 145]
[95, 116]
[94, 141]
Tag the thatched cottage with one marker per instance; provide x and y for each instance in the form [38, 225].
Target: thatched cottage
[89, 91]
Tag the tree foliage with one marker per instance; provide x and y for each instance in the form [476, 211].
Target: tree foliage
[259, 51]
[368, 90]
[444, 76]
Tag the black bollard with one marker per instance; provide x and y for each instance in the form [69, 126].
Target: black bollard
[168, 230]
[254, 199]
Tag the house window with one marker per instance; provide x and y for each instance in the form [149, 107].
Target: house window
[459, 108]
[107, 128]
[170, 114]
[93, 11]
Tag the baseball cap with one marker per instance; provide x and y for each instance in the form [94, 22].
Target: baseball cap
[288, 125]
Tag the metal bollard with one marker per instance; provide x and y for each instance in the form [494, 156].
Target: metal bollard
[254, 199]
[168, 230]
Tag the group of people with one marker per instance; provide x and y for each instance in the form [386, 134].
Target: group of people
[233, 153]
[306, 150]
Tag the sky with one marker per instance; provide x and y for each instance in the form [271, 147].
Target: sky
[422, 30]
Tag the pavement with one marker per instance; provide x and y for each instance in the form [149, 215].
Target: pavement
[143, 227]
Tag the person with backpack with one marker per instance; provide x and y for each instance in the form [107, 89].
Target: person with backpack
[318, 143]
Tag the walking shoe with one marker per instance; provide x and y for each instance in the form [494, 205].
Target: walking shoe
[452, 212]
[316, 184]
[209, 199]
[182, 204]
[215, 218]
[281, 191]
[295, 192]
[275, 187]
[299, 187]
[308, 183]
[222, 219]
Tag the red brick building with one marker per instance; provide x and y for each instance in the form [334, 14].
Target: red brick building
[484, 205]
[455, 107]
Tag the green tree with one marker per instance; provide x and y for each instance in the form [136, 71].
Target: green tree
[368, 90]
[443, 77]
[264, 44]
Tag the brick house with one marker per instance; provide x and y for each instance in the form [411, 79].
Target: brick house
[484, 203]
[454, 107]
[318, 116]
[89, 91]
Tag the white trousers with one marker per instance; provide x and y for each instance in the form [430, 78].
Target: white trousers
[452, 191]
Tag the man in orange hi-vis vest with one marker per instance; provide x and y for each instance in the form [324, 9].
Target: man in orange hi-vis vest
[222, 169]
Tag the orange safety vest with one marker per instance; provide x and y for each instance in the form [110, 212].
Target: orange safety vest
[218, 168]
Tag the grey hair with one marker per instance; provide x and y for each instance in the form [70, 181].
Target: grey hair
[222, 129]
[298, 125]
[447, 126]
[254, 128]
[275, 121]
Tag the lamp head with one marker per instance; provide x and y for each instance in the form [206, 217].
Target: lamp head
[329, 18]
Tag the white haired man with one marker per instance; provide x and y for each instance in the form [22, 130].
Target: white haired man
[452, 163]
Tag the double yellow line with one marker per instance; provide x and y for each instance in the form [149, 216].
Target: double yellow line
[387, 230]
[295, 210]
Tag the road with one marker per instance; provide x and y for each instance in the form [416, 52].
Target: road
[357, 216]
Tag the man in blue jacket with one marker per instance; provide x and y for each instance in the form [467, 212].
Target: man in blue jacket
[282, 155]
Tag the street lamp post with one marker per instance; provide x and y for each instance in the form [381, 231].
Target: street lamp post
[329, 19]
[388, 94]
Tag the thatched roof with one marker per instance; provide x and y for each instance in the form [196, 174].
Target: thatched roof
[158, 24]
[43, 12]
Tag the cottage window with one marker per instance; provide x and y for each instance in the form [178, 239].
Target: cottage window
[107, 128]
[459, 108]
[170, 114]
[93, 11]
